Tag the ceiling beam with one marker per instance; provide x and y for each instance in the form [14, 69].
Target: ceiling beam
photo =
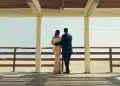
[90, 6]
[35, 6]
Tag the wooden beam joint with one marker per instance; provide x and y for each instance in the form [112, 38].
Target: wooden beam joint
[90, 6]
[35, 6]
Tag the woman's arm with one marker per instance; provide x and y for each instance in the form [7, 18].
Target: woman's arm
[52, 42]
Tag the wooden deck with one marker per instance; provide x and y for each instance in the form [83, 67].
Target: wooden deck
[48, 79]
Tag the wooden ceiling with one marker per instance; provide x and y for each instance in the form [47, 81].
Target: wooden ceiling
[109, 4]
[13, 4]
[57, 4]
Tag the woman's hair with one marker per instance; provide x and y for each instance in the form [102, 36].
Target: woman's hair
[57, 32]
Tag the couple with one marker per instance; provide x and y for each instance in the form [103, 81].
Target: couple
[64, 43]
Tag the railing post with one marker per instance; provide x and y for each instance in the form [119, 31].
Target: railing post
[110, 55]
[14, 59]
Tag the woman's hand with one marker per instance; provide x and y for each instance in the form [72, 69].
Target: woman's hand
[52, 42]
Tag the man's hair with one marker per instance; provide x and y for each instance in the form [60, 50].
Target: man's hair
[65, 30]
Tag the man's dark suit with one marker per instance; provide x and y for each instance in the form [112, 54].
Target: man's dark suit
[66, 44]
[66, 49]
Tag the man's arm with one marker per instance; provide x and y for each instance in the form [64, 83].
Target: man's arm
[60, 43]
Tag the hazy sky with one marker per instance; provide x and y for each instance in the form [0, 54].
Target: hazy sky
[21, 31]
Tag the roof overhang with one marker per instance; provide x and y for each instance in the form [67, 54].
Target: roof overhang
[59, 8]
[79, 12]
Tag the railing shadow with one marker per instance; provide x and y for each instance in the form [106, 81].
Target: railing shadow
[66, 80]
[48, 79]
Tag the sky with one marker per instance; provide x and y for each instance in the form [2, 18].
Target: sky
[21, 32]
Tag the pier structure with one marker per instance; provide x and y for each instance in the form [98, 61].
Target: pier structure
[60, 8]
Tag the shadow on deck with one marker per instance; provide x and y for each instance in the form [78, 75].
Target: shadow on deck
[49, 79]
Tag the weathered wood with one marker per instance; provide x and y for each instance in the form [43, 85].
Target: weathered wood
[110, 56]
[25, 65]
[110, 53]
[90, 6]
[14, 59]
[115, 65]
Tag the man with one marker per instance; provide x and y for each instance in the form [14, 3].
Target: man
[66, 44]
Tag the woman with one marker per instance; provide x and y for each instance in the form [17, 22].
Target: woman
[57, 52]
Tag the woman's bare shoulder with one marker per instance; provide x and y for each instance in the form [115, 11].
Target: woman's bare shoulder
[57, 37]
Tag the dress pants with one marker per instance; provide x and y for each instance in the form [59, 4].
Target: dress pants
[67, 66]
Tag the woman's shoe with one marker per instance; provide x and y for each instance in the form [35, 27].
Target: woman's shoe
[56, 72]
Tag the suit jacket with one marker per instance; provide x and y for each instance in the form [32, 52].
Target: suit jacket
[66, 43]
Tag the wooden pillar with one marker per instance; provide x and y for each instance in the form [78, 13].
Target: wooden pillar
[86, 44]
[89, 8]
[38, 44]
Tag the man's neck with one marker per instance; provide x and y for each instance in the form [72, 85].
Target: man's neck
[66, 32]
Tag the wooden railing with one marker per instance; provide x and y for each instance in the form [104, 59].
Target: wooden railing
[15, 53]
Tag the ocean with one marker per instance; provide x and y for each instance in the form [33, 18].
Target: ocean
[21, 32]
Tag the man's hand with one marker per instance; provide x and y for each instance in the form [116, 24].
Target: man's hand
[58, 43]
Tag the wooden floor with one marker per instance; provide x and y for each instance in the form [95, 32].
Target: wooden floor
[49, 79]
